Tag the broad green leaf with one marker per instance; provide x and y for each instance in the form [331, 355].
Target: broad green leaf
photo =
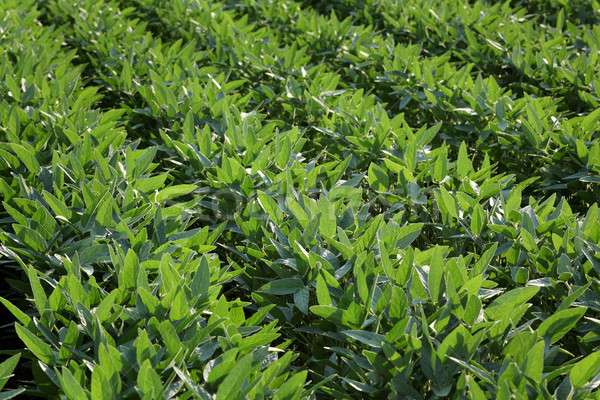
[484, 261]
[201, 281]
[505, 230]
[149, 381]
[19, 315]
[463, 164]
[558, 324]
[407, 235]
[327, 221]
[450, 202]
[472, 309]
[270, 206]
[71, 386]
[174, 191]
[585, 370]
[292, 387]
[378, 178]
[509, 301]
[369, 338]
[30, 238]
[233, 382]
[533, 365]
[436, 275]
[282, 286]
[26, 157]
[100, 388]
[7, 367]
[36, 345]
[478, 220]
[11, 394]
[59, 208]
[323, 296]
[301, 298]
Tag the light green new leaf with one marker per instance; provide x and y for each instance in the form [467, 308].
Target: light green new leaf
[472, 309]
[20, 315]
[323, 296]
[100, 388]
[533, 365]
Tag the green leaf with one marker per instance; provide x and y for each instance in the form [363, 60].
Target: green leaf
[59, 208]
[233, 382]
[436, 275]
[558, 324]
[20, 315]
[100, 388]
[72, 388]
[11, 394]
[36, 345]
[174, 191]
[507, 231]
[270, 206]
[366, 337]
[509, 301]
[327, 221]
[463, 164]
[472, 309]
[585, 370]
[484, 261]
[282, 286]
[201, 281]
[533, 365]
[7, 368]
[378, 179]
[323, 296]
[291, 389]
[30, 238]
[450, 202]
[301, 298]
[149, 381]
[26, 157]
[407, 235]
[477, 219]
[39, 295]
[130, 270]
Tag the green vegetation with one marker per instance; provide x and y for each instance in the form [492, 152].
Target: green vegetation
[321, 199]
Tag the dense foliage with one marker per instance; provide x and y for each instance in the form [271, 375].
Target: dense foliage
[318, 199]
